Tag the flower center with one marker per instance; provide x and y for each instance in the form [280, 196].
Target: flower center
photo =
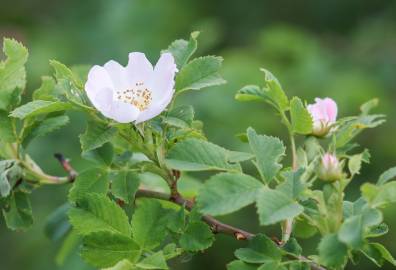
[138, 96]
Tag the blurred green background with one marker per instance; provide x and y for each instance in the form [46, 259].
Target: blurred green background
[342, 49]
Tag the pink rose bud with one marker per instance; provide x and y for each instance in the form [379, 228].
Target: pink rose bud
[330, 169]
[324, 115]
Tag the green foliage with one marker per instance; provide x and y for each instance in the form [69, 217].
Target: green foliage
[274, 93]
[225, 193]
[149, 224]
[93, 180]
[199, 155]
[200, 73]
[96, 135]
[10, 174]
[261, 249]
[45, 91]
[332, 253]
[38, 107]
[301, 119]
[6, 129]
[180, 117]
[379, 196]
[154, 261]
[118, 229]
[197, 236]
[18, 212]
[124, 185]
[268, 151]
[12, 73]
[182, 50]
[104, 249]
[96, 212]
[274, 206]
[387, 175]
[44, 127]
[240, 265]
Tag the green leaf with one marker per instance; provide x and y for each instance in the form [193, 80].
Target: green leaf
[303, 229]
[379, 196]
[354, 126]
[200, 73]
[274, 92]
[102, 156]
[182, 50]
[38, 107]
[6, 130]
[63, 72]
[96, 135]
[366, 107]
[274, 206]
[292, 246]
[292, 185]
[332, 253]
[46, 90]
[96, 212]
[123, 265]
[57, 224]
[377, 231]
[386, 176]
[235, 156]
[45, 127]
[197, 236]
[272, 266]
[181, 117]
[355, 162]
[154, 261]
[250, 93]
[378, 254]
[69, 244]
[171, 251]
[105, 249]
[351, 232]
[261, 249]
[149, 224]
[10, 174]
[268, 151]
[124, 185]
[354, 227]
[301, 119]
[225, 193]
[12, 73]
[89, 181]
[18, 212]
[199, 155]
[240, 265]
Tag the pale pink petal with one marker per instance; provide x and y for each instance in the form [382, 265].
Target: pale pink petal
[99, 89]
[139, 69]
[123, 112]
[117, 74]
[163, 81]
[331, 109]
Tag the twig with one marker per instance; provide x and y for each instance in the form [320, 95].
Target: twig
[216, 225]
[175, 197]
[66, 166]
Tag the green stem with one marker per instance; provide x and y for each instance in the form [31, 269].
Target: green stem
[287, 226]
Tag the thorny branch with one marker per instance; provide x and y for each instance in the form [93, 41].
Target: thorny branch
[175, 197]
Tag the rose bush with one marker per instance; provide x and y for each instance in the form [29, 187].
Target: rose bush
[138, 205]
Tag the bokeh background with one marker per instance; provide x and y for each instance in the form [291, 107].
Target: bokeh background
[342, 49]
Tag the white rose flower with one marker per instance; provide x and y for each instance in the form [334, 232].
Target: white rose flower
[135, 93]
